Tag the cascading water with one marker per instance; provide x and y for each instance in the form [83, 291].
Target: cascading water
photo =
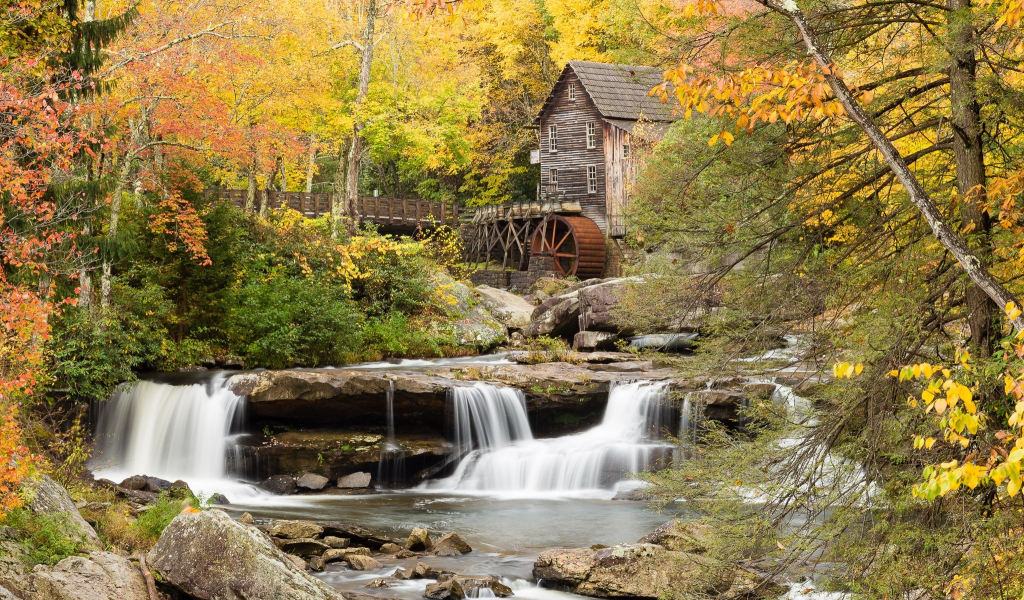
[168, 431]
[391, 465]
[505, 458]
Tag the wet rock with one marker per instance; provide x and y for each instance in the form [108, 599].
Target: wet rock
[316, 563]
[219, 499]
[633, 571]
[594, 340]
[336, 542]
[180, 488]
[509, 309]
[355, 533]
[472, 586]
[451, 544]
[279, 484]
[403, 553]
[664, 342]
[358, 562]
[378, 583]
[350, 595]
[311, 481]
[419, 540]
[156, 485]
[760, 391]
[101, 576]
[302, 546]
[208, 556]
[637, 366]
[48, 497]
[554, 316]
[390, 549]
[233, 362]
[283, 528]
[247, 519]
[683, 536]
[135, 482]
[336, 554]
[355, 480]
[444, 590]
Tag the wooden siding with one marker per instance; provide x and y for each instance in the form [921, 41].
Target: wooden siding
[615, 191]
[573, 156]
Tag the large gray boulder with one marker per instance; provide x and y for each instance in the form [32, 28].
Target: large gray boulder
[510, 310]
[102, 576]
[479, 329]
[46, 496]
[633, 571]
[210, 556]
[285, 528]
[554, 315]
[597, 304]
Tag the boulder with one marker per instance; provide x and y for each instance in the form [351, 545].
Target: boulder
[450, 544]
[633, 571]
[47, 496]
[336, 554]
[597, 304]
[682, 536]
[157, 485]
[419, 540]
[390, 549]
[336, 542]
[478, 329]
[358, 562]
[355, 480]
[664, 342]
[471, 586]
[594, 340]
[554, 316]
[316, 563]
[311, 481]
[135, 482]
[283, 528]
[12, 570]
[636, 366]
[219, 499]
[180, 488]
[208, 556]
[507, 308]
[247, 519]
[355, 533]
[102, 576]
[279, 484]
[444, 590]
[379, 582]
[301, 546]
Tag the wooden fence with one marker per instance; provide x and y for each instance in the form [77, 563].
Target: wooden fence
[405, 213]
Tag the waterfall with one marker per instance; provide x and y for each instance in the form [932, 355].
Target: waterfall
[505, 458]
[391, 465]
[168, 431]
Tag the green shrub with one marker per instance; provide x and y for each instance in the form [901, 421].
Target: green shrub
[152, 522]
[46, 538]
[398, 335]
[282, 322]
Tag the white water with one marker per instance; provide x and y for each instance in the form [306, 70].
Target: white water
[487, 417]
[589, 464]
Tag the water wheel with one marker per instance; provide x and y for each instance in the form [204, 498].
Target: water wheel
[575, 243]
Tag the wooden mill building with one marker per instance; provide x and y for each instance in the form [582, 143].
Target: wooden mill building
[595, 128]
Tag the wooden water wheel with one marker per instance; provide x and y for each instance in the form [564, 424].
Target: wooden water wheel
[575, 243]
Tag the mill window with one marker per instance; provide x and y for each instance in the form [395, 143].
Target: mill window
[553, 178]
[553, 138]
[591, 179]
[572, 91]
[591, 135]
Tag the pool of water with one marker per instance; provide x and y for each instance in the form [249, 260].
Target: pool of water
[507, 535]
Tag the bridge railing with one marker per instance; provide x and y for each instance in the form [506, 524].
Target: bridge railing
[395, 212]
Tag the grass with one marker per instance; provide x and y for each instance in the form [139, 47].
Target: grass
[46, 538]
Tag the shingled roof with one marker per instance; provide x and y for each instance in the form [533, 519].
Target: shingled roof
[619, 91]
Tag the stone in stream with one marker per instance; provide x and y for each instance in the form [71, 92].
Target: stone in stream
[311, 481]
[471, 586]
[390, 549]
[208, 555]
[446, 590]
[180, 488]
[681, 536]
[156, 485]
[336, 542]
[247, 519]
[103, 575]
[359, 535]
[419, 540]
[354, 480]
[301, 546]
[284, 528]
[316, 563]
[219, 499]
[135, 482]
[378, 583]
[279, 484]
[633, 571]
[336, 554]
[450, 544]
[359, 562]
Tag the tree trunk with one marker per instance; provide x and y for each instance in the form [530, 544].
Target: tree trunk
[338, 194]
[955, 244]
[352, 177]
[284, 177]
[267, 187]
[250, 189]
[90, 11]
[970, 161]
[311, 166]
[84, 279]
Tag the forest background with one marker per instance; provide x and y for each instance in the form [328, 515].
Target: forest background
[117, 115]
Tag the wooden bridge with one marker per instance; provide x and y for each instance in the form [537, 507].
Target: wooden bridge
[391, 213]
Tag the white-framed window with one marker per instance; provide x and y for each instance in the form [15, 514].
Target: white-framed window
[625, 151]
[591, 135]
[591, 179]
[552, 138]
[553, 178]
[572, 91]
